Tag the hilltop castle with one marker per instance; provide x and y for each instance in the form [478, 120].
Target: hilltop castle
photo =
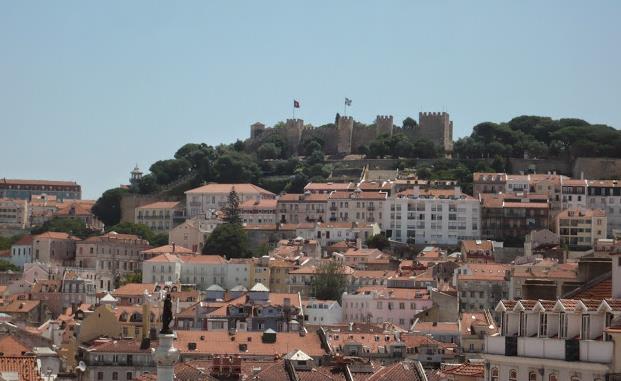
[347, 137]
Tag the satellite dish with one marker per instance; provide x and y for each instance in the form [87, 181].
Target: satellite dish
[81, 366]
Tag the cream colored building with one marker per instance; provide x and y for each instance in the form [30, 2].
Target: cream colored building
[54, 248]
[160, 216]
[13, 213]
[356, 206]
[113, 255]
[299, 208]
[580, 227]
[258, 211]
[204, 200]
[192, 233]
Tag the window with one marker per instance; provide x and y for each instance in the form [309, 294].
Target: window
[129, 376]
[585, 333]
[553, 377]
[543, 324]
[532, 376]
[494, 374]
[115, 376]
[100, 376]
[562, 323]
[513, 375]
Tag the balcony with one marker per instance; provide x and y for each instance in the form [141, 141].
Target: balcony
[333, 208]
[370, 208]
[547, 348]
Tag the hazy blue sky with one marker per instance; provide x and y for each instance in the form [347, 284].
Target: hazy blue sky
[89, 89]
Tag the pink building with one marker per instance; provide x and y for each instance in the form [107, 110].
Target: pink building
[379, 304]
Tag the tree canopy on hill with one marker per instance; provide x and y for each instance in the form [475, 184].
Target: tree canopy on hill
[71, 226]
[540, 137]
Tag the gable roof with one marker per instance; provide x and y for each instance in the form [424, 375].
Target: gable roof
[226, 188]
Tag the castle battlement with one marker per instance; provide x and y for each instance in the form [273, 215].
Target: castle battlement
[385, 118]
[433, 114]
[346, 119]
[294, 121]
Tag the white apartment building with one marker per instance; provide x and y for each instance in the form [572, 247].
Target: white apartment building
[432, 216]
[606, 195]
[300, 208]
[324, 312]
[553, 340]
[331, 232]
[202, 201]
[573, 193]
[200, 270]
[21, 251]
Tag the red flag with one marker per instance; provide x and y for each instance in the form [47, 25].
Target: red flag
[296, 104]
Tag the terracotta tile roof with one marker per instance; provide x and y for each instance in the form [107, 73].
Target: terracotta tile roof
[477, 245]
[604, 183]
[468, 320]
[37, 182]
[258, 204]
[336, 195]
[25, 240]
[433, 193]
[164, 258]
[11, 346]
[436, 327]
[24, 366]
[370, 340]
[55, 235]
[134, 289]
[161, 205]
[114, 236]
[119, 346]
[169, 249]
[416, 340]
[486, 271]
[581, 213]
[222, 343]
[395, 293]
[226, 188]
[600, 290]
[328, 186]
[297, 197]
[466, 370]
[20, 306]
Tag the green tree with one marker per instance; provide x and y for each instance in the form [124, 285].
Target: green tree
[409, 123]
[232, 213]
[7, 242]
[235, 167]
[6, 266]
[147, 184]
[168, 171]
[229, 240]
[108, 207]
[316, 157]
[135, 277]
[329, 281]
[378, 241]
[268, 151]
[71, 226]
[141, 230]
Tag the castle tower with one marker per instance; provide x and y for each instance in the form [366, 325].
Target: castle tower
[166, 355]
[383, 125]
[135, 175]
[293, 134]
[256, 129]
[437, 127]
[345, 128]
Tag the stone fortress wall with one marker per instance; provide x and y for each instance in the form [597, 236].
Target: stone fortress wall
[347, 136]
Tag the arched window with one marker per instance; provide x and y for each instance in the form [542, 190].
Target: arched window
[532, 376]
[513, 375]
[494, 374]
[553, 377]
